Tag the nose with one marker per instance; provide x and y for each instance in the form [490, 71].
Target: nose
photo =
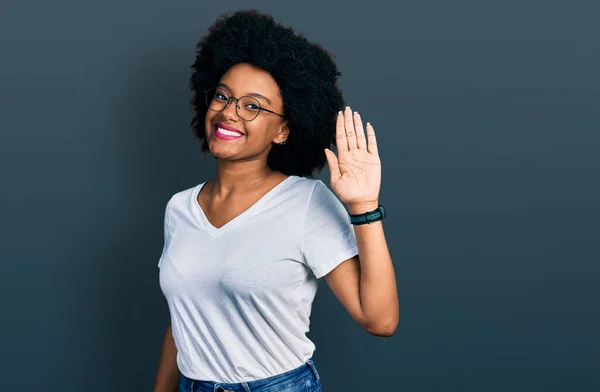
[230, 110]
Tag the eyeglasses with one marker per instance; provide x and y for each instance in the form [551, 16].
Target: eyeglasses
[247, 108]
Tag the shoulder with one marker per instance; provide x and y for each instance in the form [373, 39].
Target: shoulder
[182, 197]
[317, 197]
[307, 187]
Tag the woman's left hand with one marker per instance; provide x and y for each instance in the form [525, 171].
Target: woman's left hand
[356, 172]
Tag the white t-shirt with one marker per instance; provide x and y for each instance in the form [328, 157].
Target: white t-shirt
[240, 296]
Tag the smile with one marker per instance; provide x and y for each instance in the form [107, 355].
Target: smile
[226, 134]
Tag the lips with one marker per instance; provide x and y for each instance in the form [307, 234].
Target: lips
[228, 128]
[225, 132]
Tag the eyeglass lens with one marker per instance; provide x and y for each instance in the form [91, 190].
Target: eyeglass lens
[247, 107]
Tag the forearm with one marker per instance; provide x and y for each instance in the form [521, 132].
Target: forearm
[167, 375]
[378, 291]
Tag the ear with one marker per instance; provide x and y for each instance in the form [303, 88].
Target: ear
[284, 132]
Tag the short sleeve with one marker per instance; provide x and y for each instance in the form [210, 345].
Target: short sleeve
[328, 237]
[166, 232]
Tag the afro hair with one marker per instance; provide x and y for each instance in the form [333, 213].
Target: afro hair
[305, 73]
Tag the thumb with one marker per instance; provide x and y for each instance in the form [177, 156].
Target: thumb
[332, 162]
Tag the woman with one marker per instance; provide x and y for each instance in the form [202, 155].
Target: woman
[244, 251]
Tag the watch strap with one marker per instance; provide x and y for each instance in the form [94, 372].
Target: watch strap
[368, 217]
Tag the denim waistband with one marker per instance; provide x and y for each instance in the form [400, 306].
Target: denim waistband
[288, 378]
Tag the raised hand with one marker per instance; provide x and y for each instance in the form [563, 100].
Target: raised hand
[356, 171]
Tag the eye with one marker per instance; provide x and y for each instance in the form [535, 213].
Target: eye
[221, 96]
[252, 107]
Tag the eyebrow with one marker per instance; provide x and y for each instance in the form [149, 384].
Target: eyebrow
[256, 95]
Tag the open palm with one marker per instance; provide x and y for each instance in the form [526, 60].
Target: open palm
[356, 171]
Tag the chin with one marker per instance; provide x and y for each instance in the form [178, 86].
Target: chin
[220, 151]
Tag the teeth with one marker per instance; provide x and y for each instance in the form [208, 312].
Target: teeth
[229, 133]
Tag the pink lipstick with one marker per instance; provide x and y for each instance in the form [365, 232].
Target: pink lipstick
[225, 132]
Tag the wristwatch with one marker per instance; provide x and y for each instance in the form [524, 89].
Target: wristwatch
[368, 217]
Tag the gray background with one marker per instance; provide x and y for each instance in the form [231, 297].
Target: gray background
[487, 116]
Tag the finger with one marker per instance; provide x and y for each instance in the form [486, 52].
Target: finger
[361, 141]
[349, 126]
[371, 139]
[340, 134]
[334, 168]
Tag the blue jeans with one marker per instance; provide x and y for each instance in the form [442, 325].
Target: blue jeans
[302, 379]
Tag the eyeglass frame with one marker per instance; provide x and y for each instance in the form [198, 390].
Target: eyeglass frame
[237, 103]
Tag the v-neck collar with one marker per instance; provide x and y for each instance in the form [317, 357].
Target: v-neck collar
[214, 231]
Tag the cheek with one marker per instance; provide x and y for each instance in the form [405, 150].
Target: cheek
[208, 122]
[265, 129]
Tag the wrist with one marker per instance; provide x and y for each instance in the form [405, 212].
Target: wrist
[362, 207]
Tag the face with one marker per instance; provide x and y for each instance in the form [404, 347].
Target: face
[246, 140]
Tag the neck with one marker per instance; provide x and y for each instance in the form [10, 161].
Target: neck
[232, 177]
